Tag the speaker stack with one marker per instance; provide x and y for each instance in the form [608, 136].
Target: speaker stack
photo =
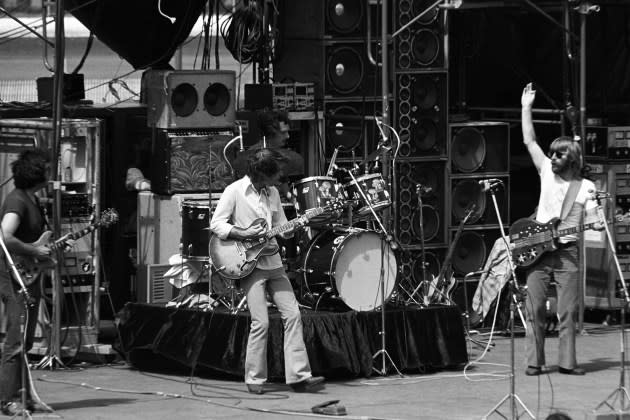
[421, 117]
[478, 151]
[607, 152]
[191, 113]
[325, 42]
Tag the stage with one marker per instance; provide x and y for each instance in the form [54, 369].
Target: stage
[340, 344]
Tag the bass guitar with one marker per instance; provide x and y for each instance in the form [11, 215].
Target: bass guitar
[30, 268]
[531, 239]
[235, 259]
[440, 287]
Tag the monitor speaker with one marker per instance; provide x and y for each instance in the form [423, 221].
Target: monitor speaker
[190, 98]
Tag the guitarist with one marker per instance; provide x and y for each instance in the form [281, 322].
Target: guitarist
[564, 194]
[22, 223]
[252, 197]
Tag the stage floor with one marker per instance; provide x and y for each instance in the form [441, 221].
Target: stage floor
[339, 344]
[120, 391]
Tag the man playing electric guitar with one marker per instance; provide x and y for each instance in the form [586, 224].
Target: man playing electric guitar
[22, 224]
[253, 197]
[565, 194]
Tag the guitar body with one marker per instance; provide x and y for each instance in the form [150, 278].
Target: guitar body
[532, 239]
[235, 259]
[29, 267]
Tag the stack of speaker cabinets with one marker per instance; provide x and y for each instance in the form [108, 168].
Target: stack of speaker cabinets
[421, 117]
[330, 43]
[607, 153]
[192, 113]
[479, 151]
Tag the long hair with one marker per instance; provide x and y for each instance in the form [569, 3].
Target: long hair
[573, 150]
[29, 169]
[264, 163]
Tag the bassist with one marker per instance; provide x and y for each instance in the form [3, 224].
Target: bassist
[22, 223]
[564, 194]
[253, 197]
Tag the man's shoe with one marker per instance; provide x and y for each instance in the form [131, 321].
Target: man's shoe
[11, 408]
[256, 389]
[314, 383]
[575, 371]
[38, 407]
[535, 370]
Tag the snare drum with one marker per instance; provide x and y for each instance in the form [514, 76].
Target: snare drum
[195, 229]
[375, 191]
[346, 265]
[317, 191]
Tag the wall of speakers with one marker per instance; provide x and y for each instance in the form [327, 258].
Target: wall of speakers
[421, 113]
[421, 45]
[190, 98]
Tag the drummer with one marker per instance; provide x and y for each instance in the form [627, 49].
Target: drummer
[275, 127]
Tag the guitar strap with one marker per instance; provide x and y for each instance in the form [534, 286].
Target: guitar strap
[569, 198]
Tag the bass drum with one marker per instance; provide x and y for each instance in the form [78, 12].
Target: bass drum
[345, 265]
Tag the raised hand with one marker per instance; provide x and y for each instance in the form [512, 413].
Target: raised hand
[529, 94]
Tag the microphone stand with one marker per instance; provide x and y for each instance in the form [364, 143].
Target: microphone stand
[510, 396]
[389, 239]
[28, 303]
[621, 392]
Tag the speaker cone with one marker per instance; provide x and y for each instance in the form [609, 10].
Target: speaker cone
[344, 16]
[465, 192]
[344, 127]
[425, 47]
[184, 99]
[468, 149]
[216, 100]
[420, 6]
[430, 225]
[425, 94]
[425, 137]
[470, 253]
[345, 70]
[432, 267]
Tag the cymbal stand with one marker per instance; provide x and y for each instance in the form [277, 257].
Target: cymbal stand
[389, 239]
[423, 257]
[511, 396]
[621, 392]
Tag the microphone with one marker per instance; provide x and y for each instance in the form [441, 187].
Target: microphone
[487, 184]
[240, 136]
[421, 189]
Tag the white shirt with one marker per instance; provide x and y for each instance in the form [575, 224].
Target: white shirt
[552, 192]
[240, 205]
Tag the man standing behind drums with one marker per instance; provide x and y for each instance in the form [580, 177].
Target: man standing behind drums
[561, 175]
[252, 197]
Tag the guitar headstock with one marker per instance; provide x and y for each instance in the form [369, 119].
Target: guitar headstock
[109, 217]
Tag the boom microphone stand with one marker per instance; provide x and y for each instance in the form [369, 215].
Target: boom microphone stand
[621, 392]
[28, 303]
[511, 396]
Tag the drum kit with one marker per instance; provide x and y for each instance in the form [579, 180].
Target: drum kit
[342, 257]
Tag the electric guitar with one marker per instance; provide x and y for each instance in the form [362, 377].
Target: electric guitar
[531, 239]
[440, 287]
[30, 268]
[235, 259]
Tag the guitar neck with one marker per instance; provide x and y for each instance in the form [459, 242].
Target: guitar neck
[293, 223]
[576, 229]
[72, 235]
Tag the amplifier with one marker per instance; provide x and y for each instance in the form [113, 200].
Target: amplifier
[189, 161]
[607, 142]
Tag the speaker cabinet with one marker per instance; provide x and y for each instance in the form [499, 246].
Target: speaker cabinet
[338, 68]
[421, 113]
[190, 98]
[479, 147]
[607, 142]
[411, 265]
[351, 126]
[413, 226]
[189, 161]
[421, 45]
[472, 249]
[316, 19]
[467, 190]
